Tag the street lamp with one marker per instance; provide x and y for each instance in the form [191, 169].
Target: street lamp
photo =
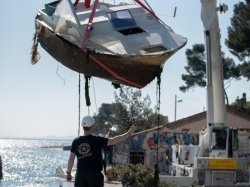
[175, 105]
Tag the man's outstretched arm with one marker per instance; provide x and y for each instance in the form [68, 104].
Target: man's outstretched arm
[122, 137]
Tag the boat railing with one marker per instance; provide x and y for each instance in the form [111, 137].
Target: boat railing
[75, 6]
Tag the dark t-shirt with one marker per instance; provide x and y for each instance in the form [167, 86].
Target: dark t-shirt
[88, 150]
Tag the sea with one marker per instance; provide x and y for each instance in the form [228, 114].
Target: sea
[32, 162]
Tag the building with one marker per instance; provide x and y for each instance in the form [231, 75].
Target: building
[196, 123]
[142, 147]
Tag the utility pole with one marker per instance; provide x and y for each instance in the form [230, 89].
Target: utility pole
[175, 105]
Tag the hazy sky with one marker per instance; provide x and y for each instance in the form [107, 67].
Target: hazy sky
[36, 101]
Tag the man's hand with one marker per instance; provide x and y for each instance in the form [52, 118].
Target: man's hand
[69, 177]
[132, 129]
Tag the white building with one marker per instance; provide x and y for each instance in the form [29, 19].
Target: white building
[142, 146]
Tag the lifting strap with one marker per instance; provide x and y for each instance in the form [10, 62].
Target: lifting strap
[89, 26]
[146, 8]
[156, 174]
[83, 48]
[86, 3]
[150, 11]
[87, 90]
[111, 72]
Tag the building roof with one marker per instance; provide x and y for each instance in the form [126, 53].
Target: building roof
[195, 118]
[202, 116]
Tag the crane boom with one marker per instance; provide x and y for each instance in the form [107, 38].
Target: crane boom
[215, 87]
[217, 162]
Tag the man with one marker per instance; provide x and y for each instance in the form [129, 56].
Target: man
[88, 150]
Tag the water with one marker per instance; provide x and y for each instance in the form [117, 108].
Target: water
[30, 163]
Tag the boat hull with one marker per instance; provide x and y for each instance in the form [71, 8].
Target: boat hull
[132, 70]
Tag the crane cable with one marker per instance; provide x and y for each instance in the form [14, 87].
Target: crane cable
[88, 103]
[94, 95]
[87, 78]
[158, 97]
[79, 104]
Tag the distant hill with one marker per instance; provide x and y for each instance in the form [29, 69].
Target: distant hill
[41, 138]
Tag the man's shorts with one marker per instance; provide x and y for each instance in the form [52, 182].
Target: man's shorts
[89, 179]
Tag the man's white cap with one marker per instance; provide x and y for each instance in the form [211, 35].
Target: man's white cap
[88, 121]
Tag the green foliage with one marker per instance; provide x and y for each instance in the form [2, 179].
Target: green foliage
[131, 99]
[239, 44]
[136, 109]
[130, 107]
[109, 117]
[134, 175]
[245, 70]
[238, 36]
[239, 31]
[196, 68]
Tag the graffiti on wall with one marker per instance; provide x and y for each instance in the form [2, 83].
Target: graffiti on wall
[163, 160]
[147, 143]
[166, 139]
[121, 151]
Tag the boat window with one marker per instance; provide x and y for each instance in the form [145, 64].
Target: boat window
[121, 19]
[50, 8]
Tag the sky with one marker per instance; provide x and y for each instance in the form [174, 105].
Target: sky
[42, 99]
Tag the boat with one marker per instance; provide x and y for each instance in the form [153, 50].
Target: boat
[123, 42]
[61, 171]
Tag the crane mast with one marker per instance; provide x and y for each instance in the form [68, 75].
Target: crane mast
[215, 88]
[216, 162]
[216, 110]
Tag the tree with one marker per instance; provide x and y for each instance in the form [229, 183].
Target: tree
[108, 119]
[196, 68]
[238, 36]
[239, 44]
[105, 114]
[130, 107]
[137, 109]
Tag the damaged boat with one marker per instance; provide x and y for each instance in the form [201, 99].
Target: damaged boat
[123, 42]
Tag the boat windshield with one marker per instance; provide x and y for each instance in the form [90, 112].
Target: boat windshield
[121, 19]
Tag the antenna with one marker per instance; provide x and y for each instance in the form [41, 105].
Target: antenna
[172, 15]
[175, 10]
